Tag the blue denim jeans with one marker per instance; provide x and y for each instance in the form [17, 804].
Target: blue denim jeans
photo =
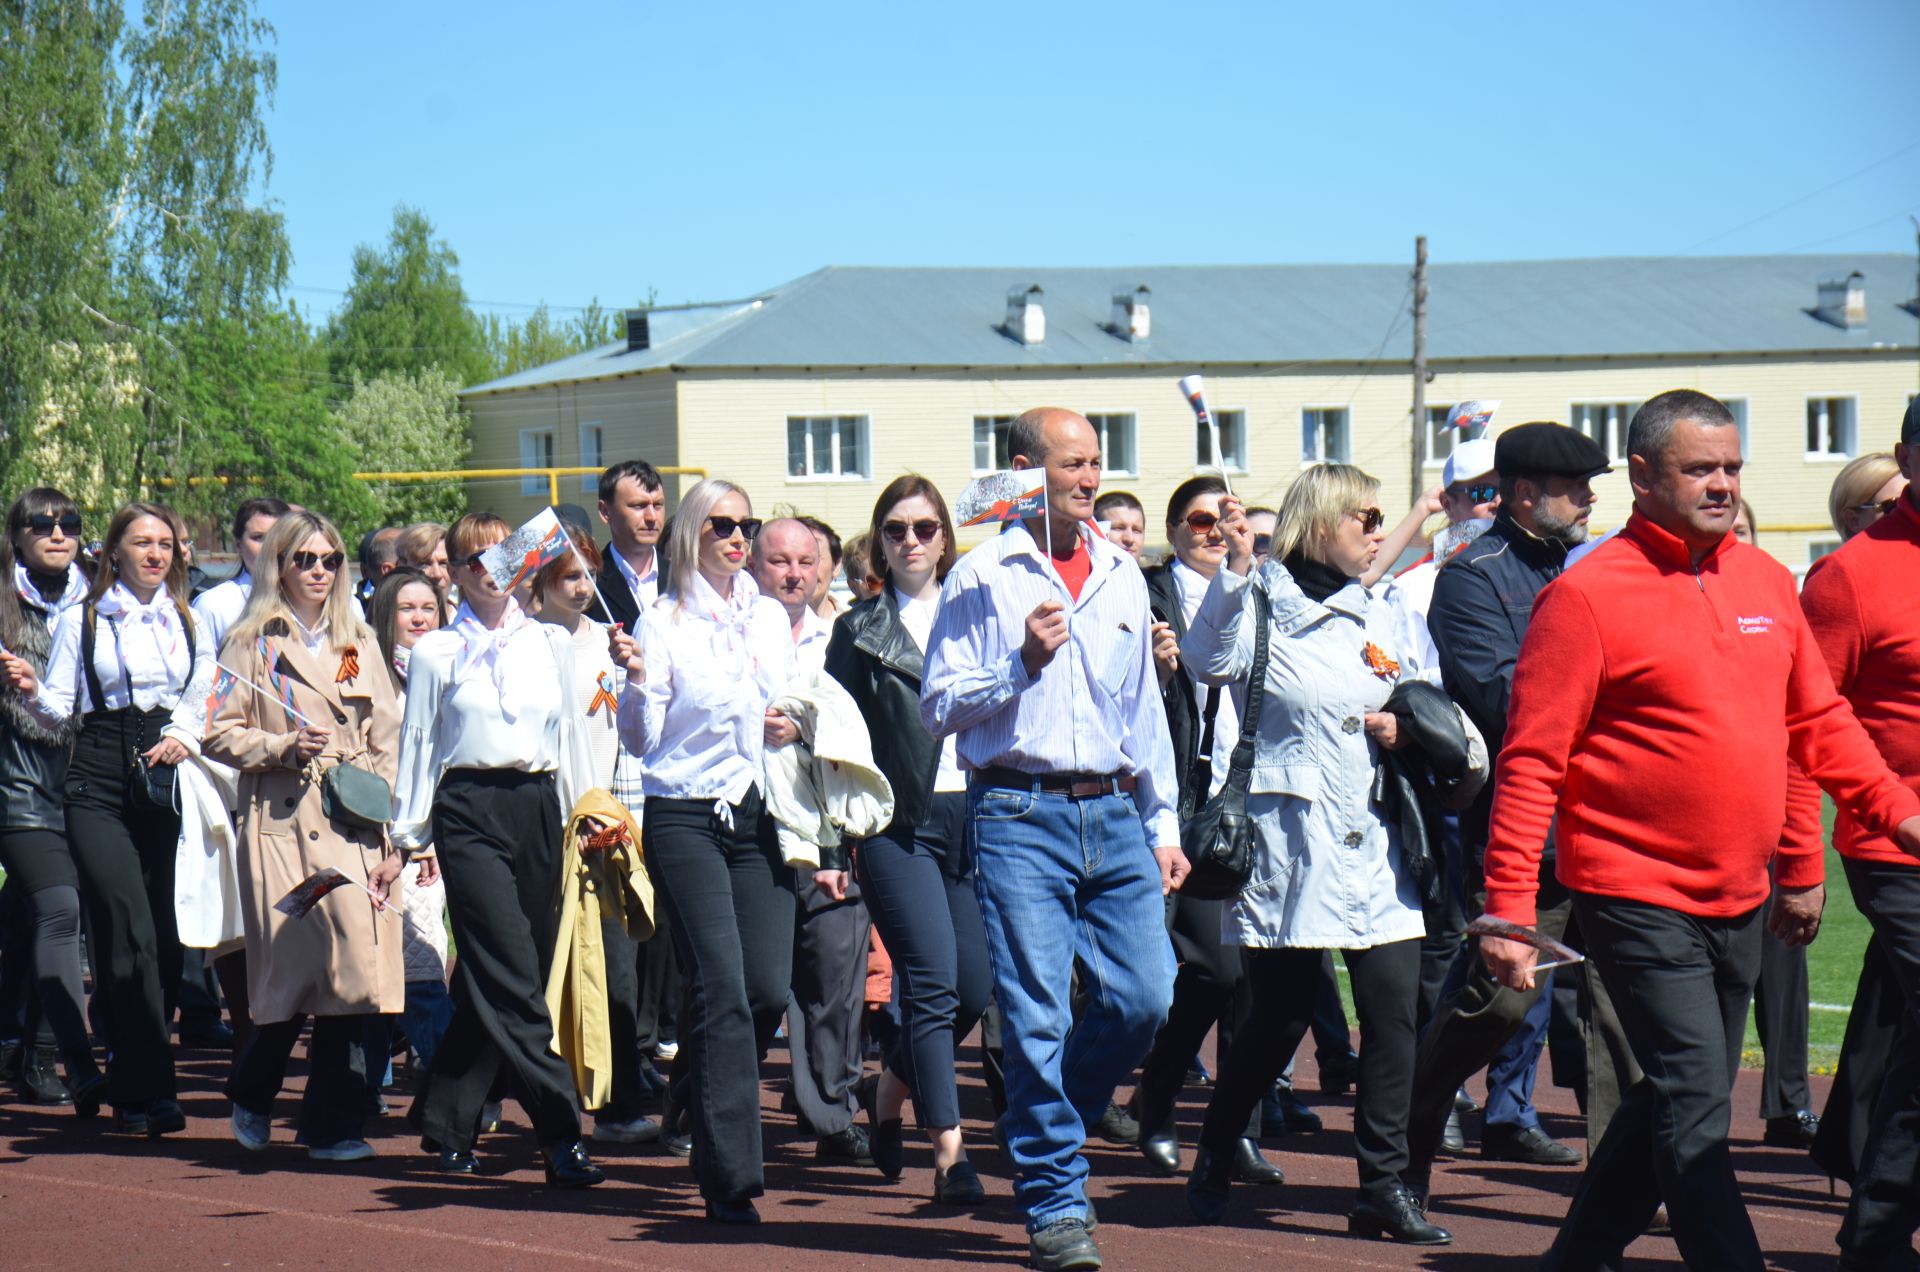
[1062, 882]
[428, 1010]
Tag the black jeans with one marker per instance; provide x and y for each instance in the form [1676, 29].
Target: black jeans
[334, 1107]
[1681, 985]
[1780, 1018]
[919, 889]
[497, 834]
[1284, 982]
[124, 851]
[1210, 989]
[1885, 1208]
[729, 897]
[40, 873]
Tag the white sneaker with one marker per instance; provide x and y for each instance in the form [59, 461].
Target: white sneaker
[666, 1051]
[490, 1116]
[344, 1151]
[251, 1131]
[642, 1130]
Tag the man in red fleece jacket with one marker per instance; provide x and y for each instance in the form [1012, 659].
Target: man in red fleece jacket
[1660, 692]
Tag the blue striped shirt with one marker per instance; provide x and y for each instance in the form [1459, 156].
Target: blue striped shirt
[1095, 708]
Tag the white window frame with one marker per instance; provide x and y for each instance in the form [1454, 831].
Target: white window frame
[863, 423]
[1834, 456]
[1741, 409]
[1320, 456]
[990, 421]
[1821, 545]
[1615, 444]
[1243, 463]
[531, 458]
[1435, 432]
[590, 482]
[1096, 417]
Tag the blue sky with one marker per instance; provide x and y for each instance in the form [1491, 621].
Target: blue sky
[574, 150]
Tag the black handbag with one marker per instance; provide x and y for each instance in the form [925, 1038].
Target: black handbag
[154, 786]
[1218, 839]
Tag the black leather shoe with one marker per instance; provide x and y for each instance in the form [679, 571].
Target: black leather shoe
[1453, 1140]
[848, 1147]
[680, 1144]
[130, 1119]
[1464, 1104]
[1208, 1186]
[958, 1185]
[887, 1147]
[1395, 1216]
[454, 1161]
[1661, 1226]
[1287, 1114]
[1795, 1130]
[1339, 1073]
[90, 1094]
[740, 1212]
[1162, 1153]
[1249, 1167]
[1118, 1126]
[1533, 1146]
[164, 1117]
[12, 1054]
[1197, 1074]
[1062, 1245]
[40, 1077]
[568, 1166]
[214, 1036]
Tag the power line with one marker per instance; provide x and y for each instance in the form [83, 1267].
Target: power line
[1794, 203]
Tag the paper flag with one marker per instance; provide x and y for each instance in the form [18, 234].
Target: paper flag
[1001, 497]
[1562, 955]
[1475, 414]
[1195, 391]
[307, 893]
[519, 556]
[223, 685]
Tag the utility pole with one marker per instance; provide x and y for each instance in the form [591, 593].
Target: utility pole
[1419, 364]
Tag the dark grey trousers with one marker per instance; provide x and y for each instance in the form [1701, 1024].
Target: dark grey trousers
[825, 1003]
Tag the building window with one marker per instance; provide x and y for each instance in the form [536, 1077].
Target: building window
[1817, 548]
[1233, 440]
[990, 443]
[1737, 407]
[1440, 439]
[1115, 431]
[1831, 428]
[1323, 435]
[593, 454]
[1606, 423]
[827, 446]
[536, 451]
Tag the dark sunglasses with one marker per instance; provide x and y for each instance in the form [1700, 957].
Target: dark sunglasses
[473, 562]
[1371, 519]
[1200, 522]
[1885, 507]
[43, 523]
[1484, 493]
[896, 531]
[304, 561]
[723, 527]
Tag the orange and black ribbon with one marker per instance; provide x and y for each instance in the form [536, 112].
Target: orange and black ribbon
[603, 696]
[349, 665]
[1378, 662]
[611, 837]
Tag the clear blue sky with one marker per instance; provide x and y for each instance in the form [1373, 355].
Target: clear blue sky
[573, 150]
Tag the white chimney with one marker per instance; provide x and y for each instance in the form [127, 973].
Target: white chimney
[1843, 301]
[1026, 318]
[1132, 313]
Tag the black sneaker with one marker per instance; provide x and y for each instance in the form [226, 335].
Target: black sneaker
[1117, 1126]
[849, 1147]
[1533, 1146]
[1795, 1130]
[1062, 1245]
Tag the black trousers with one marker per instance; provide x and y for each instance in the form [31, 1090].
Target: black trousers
[1873, 1030]
[497, 833]
[1209, 990]
[45, 890]
[919, 889]
[334, 1106]
[124, 851]
[1446, 928]
[729, 897]
[1885, 1208]
[627, 1098]
[1681, 985]
[825, 1004]
[661, 989]
[1283, 984]
[1780, 1018]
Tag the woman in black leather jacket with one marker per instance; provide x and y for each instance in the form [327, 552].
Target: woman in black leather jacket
[42, 578]
[916, 876]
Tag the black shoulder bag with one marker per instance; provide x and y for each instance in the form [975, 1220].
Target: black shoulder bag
[154, 785]
[1218, 840]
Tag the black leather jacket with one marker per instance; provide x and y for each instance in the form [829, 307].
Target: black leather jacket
[875, 660]
[33, 758]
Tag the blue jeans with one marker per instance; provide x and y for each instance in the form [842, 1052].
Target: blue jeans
[1510, 1075]
[1064, 881]
[428, 1010]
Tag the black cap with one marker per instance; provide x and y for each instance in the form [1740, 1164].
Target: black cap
[1910, 426]
[1546, 449]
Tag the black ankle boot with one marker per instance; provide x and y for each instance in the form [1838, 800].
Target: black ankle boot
[40, 1077]
[1208, 1185]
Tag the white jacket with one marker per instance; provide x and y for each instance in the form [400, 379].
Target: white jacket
[206, 879]
[826, 785]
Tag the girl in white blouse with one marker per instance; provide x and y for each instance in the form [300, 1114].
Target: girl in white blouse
[121, 662]
[711, 654]
[492, 757]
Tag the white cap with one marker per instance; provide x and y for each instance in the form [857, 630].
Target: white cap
[1471, 458]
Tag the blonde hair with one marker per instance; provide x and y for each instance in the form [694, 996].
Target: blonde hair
[268, 601]
[1314, 505]
[689, 523]
[1855, 484]
[416, 543]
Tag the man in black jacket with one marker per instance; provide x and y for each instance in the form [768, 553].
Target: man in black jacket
[1482, 602]
[633, 503]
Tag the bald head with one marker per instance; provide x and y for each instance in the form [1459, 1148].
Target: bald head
[1035, 434]
[786, 563]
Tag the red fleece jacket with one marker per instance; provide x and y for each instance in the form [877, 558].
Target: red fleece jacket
[1654, 709]
[1864, 610]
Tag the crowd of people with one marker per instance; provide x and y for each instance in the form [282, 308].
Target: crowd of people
[671, 797]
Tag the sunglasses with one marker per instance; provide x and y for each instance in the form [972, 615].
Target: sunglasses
[1481, 493]
[896, 531]
[304, 561]
[43, 523]
[1200, 522]
[1371, 519]
[1885, 508]
[723, 527]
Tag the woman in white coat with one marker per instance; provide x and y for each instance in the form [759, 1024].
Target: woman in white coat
[1328, 870]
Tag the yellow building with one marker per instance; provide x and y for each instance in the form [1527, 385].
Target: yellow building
[816, 394]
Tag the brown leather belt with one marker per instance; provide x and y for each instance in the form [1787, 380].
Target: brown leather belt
[1072, 785]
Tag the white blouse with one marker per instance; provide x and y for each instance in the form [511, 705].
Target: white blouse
[917, 617]
[145, 646]
[499, 699]
[592, 668]
[698, 719]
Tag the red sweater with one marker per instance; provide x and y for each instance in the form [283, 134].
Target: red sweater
[1654, 709]
[1864, 610]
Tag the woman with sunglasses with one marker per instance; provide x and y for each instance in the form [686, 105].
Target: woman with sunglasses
[121, 661]
[916, 876]
[1863, 492]
[42, 582]
[493, 755]
[298, 703]
[712, 652]
[1328, 869]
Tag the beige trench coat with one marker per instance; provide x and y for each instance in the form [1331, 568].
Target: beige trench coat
[344, 958]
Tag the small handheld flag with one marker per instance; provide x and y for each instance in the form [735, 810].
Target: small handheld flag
[998, 498]
[519, 556]
[1194, 389]
[1562, 955]
[223, 685]
[1475, 414]
[228, 677]
[307, 893]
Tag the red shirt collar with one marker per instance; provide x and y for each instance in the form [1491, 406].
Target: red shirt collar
[1668, 548]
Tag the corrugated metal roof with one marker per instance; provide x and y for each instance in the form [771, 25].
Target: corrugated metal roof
[1206, 315]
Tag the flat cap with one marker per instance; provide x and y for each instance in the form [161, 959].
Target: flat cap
[1546, 449]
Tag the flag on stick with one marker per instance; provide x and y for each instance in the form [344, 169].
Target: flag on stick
[223, 685]
[307, 893]
[519, 556]
[1194, 389]
[998, 498]
[1562, 955]
[228, 678]
[1475, 414]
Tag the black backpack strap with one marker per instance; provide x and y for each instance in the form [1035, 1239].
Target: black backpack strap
[87, 620]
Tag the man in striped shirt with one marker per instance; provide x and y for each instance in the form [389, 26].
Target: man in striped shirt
[1040, 663]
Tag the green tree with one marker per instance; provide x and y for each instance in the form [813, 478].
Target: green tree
[406, 310]
[403, 421]
[538, 339]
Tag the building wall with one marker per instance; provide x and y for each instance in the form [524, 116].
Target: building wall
[636, 416]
